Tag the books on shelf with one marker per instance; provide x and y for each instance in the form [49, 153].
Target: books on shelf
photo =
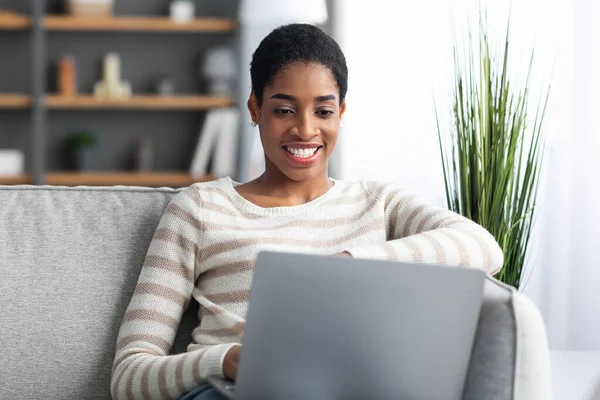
[218, 139]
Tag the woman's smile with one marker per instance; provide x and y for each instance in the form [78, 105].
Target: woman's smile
[302, 155]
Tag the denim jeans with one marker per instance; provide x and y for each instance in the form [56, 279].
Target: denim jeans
[204, 392]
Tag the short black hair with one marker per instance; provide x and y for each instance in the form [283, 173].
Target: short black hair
[296, 43]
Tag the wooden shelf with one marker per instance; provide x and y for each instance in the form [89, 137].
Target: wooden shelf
[68, 23]
[139, 102]
[15, 180]
[13, 21]
[152, 179]
[185, 102]
[15, 101]
[174, 179]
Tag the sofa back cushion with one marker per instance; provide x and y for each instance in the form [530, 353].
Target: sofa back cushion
[69, 262]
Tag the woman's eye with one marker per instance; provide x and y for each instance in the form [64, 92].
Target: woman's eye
[325, 113]
[283, 111]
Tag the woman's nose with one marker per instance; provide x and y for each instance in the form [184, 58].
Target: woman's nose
[306, 127]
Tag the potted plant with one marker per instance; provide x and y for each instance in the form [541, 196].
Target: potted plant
[492, 165]
[82, 146]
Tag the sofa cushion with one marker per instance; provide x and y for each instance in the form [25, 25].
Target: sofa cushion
[69, 261]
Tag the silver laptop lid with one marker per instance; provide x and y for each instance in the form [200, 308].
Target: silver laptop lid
[336, 328]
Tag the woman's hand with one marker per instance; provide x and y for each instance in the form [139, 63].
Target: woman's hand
[230, 362]
[344, 254]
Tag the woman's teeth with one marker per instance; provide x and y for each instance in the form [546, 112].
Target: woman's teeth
[301, 153]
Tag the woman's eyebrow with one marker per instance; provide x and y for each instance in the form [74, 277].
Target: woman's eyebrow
[282, 96]
[328, 97]
[318, 99]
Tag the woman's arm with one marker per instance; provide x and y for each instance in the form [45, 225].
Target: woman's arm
[142, 366]
[419, 231]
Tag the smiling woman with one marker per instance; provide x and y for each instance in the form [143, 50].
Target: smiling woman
[207, 241]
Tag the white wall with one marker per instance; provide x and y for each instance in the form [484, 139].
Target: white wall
[389, 129]
[400, 56]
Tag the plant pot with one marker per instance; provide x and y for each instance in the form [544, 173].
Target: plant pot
[83, 158]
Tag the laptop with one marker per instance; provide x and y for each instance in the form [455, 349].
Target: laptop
[322, 327]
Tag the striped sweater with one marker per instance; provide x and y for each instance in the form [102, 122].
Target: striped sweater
[205, 247]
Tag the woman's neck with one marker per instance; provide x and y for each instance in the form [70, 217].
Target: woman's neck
[304, 191]
[275, 189]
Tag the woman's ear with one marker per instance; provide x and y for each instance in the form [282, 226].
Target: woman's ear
[254, 108]
[342, 109]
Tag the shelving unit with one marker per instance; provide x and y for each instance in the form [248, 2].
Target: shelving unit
[39, 103]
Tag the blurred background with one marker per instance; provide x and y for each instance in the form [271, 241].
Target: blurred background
[153, 92]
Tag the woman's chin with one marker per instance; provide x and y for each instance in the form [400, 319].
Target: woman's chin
[304, 174]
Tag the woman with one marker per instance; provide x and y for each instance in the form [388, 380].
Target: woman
[210, 234]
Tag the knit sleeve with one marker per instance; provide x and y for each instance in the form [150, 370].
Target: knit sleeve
[419, 231]
[142, 366]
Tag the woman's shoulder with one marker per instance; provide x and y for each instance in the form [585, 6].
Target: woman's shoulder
[377, 190]
[202, 192]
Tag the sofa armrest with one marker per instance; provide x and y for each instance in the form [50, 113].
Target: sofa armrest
[510, 359]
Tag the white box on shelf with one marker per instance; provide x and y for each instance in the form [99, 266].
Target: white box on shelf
[12, 162]
[90, 8]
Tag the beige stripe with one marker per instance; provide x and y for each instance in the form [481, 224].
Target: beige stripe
[158, 341]
[162, 379]
[152, 315]
[350, 200]
[238, 296]
[194, 195]
[196, 366]
[183, 215]
[171, 266]
[129, 386]
[392, 222]
[484, 248]
[224, 247]
[228, 270]
[234, 331]
[195, 346]
[393, 207]
[426, 220]
[390, 251]
[178, 240]
[117, 381]
[145, 382]
[450, 221]
[464, 256]
[119, 361]
[442, 258]
[218, 209]
[214, 191]
[165, 292]
[179, 375]
[417, 254]
[414, 214]
[302, 223]
[211, 310]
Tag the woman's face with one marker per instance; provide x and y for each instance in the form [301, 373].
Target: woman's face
[299, 120]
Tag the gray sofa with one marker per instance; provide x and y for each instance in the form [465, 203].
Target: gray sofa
[69, 261]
